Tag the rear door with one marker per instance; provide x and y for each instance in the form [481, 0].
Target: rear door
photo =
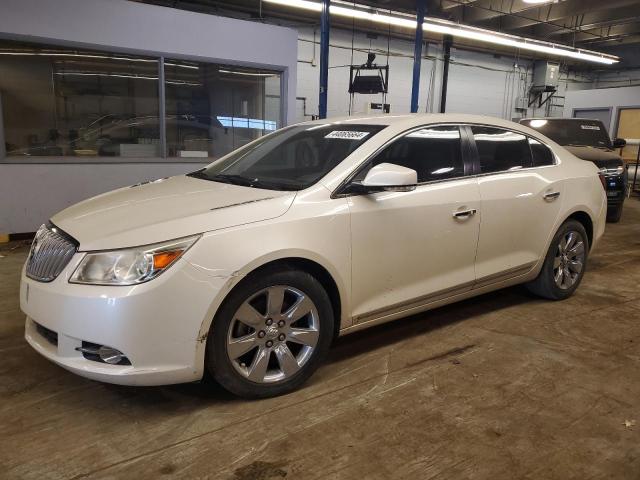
[520, 196]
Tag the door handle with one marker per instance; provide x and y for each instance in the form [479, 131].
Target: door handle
[551, 196]
[465, 213]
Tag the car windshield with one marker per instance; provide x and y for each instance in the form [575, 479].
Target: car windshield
[293, 158]
[572, 132]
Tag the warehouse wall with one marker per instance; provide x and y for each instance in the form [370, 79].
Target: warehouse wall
[624, 78]
[479, 83]
[604, 98]
[31, 192]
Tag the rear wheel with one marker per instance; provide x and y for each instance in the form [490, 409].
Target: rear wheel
[271, 334]
[564, 264]
[614, 214]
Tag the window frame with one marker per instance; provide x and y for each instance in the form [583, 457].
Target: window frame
[469, 152]
[476, 156]
[465, 152]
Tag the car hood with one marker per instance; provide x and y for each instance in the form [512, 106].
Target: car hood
[165, 209]
[601, 157]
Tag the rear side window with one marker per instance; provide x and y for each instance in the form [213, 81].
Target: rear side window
[541, 154]
[501, 150]
[433, 152]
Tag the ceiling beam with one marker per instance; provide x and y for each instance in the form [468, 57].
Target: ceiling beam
[593, 21]
[613, 42]
[603, 33]
[451, 4]
[568, 14]
[588, 26]
[487, 10]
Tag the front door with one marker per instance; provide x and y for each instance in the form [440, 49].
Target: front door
[411, 248]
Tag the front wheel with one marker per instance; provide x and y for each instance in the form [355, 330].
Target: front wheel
[270, 334]
[564, 264]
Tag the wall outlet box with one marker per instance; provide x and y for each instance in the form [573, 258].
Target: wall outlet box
[521, 103]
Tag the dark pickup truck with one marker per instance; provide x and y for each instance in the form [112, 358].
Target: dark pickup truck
[588, 139]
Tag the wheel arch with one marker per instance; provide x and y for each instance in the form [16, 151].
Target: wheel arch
[586, 221]
[315, 269]
[328, 276]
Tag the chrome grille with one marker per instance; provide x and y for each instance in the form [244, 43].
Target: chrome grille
[50, 252]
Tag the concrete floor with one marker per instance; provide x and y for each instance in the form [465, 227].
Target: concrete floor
[503, 386]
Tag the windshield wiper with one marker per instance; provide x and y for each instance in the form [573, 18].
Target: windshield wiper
[244, 181]
[234, 179]
[222, 178]
[199, 174]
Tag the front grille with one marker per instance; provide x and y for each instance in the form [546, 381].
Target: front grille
[49, 335]
[50, 252]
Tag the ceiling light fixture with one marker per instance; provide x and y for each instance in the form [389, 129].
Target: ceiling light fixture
[435, 25]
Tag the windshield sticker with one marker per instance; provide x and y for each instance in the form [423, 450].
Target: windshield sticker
[589, 127]
[347, 135]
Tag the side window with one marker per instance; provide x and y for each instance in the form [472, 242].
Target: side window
[433, 152]
[501, 150]
[541, 154]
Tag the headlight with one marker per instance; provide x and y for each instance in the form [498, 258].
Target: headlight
[619, 170]
[132, 265]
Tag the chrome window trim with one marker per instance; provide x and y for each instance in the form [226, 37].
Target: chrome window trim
[556, 160]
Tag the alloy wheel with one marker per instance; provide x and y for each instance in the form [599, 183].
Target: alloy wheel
[569, 260]
[273, 334]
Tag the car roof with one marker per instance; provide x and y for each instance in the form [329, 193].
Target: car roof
[564, 119]
[415, 119]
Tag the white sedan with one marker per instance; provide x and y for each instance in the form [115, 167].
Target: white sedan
[250, 267]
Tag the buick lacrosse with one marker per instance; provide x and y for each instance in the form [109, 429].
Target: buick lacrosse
[249, 268]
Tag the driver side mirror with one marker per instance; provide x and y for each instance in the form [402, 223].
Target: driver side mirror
[619, 143]
[388, 177]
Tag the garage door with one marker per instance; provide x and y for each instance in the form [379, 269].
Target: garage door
[629, 128]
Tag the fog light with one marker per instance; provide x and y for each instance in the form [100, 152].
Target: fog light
[110, 355]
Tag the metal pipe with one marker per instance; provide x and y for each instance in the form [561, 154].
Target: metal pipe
[3, 150]
[325, 26]
[421, 8]
[162, 112]
[448, 40]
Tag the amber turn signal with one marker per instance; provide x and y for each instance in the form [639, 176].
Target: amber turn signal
[163, 259]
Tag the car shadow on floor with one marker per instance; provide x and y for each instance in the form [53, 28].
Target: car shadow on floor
[349, 346]
[422, 323]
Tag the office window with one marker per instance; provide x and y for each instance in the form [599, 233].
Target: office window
[213, 109]
[501, 150]
[87, 104]
[77, 103]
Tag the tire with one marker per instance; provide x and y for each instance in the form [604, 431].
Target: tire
[546, 284]
[272, 335]
[614, 214]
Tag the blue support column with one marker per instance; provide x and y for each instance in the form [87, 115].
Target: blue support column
[421, 7]
[324, 58]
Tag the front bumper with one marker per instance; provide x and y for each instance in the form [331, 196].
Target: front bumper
[158, 325]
